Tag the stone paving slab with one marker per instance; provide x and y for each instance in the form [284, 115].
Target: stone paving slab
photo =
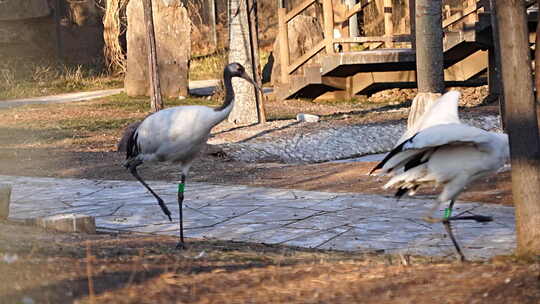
[342, 221]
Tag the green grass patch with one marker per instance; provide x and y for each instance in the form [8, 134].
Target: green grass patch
[142, 103]
[122, 105]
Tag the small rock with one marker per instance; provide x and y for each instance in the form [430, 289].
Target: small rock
[10, 258]
[201, 255]
[69, 223]
[307, 117]
[27, 300]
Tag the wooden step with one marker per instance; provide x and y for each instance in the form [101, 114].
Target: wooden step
[309, 85]
[457, 74]
[350, 63]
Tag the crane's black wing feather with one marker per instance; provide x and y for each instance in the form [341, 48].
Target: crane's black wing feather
[128, 142]
[417, 160]
[133, 148]
[391, 154]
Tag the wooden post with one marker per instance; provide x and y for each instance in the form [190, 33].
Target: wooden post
[212, 20]
[495, 84]
[344, 30]
[283, 45]
[447, 11]
[353, 21]
[156, 102]
[537, 59]
[522, 123]
[412, 16]
[388, 25]
[254, 39]
[328, 15]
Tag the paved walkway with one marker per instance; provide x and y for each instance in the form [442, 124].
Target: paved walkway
[196, 87]
[343, 221]
[61, 98]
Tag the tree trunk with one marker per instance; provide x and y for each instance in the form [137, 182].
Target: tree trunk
[156, 103]
[212, 20]
[254, 30]
[496, 89]
[522, 123]
[245, 104]
[537, 59]
[429, 57]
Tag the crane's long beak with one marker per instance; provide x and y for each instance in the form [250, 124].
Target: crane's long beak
[248, 78]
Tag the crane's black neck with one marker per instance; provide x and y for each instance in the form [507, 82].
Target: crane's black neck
[229, 91]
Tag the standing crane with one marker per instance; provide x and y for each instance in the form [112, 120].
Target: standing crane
[442, 150]
[177, 135]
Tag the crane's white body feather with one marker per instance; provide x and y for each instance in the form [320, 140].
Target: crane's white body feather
[443, 111]
[445, 152]
[177, 134]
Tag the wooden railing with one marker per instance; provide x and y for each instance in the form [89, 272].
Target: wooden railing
[329, 24]
[472, 9]
[330, 21]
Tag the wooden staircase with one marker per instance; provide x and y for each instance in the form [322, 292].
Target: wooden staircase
[467, 41]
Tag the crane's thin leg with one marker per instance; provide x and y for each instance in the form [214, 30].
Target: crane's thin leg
[181, 186]
[133, 170]
[448, 227]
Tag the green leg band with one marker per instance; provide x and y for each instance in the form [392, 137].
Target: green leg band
[181, 188]
[447, 212]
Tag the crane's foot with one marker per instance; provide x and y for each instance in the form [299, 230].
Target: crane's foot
[477, 218]
[181, 246]
[432, 220]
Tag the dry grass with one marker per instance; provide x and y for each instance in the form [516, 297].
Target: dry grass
[208, 67]
[131, 268]
[20, 79]
[114, 28]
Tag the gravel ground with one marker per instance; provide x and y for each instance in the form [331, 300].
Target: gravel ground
[308, 144]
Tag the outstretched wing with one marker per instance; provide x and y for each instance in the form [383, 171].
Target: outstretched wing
[448, 134]
[417, 149]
